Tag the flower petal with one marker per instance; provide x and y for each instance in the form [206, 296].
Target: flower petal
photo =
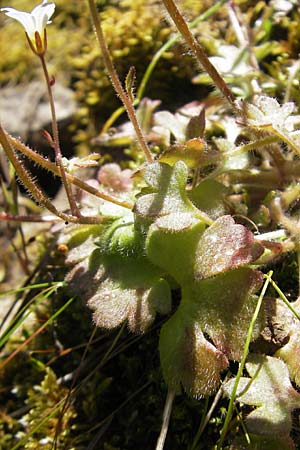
[25, 19]
[41, 15]
[34, 21]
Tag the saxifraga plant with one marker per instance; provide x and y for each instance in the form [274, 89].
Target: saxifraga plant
[173, 224]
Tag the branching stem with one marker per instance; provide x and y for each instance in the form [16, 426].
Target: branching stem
[37, 192]
[25, 218]
[155, 59]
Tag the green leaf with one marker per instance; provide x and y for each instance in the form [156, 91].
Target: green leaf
[169, 192]
[119, 289]
[224, 306]
[129, 83]
[221, 309]
[80, 241]
[290, 352]
[269, 389]
[196, 126]
[187, 358]
[171, 244]
[209, 197]
[193, 153]
[122, 238]
[267, 113]
[174, 123]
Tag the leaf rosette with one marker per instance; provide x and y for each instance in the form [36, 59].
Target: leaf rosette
[126, 271]
[210, 264]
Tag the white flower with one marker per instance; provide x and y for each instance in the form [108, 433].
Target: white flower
[267, 112]
[34, 22]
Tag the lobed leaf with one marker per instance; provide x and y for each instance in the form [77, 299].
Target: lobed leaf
[187, 358]
[171, 244]
[193, 153]
[209, 328]
[209, 197]
[81, 241]
[266, 112]
[269, 389]
[119, 289]
[169, 191]
[224, 306]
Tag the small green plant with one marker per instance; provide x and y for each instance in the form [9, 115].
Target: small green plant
[203, 215]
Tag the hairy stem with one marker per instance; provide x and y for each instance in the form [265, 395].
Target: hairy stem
[198, 51]
[155, 59]
[48, 165]
[254, 145]
[116, 81]
[35, 190]
[170, 43]
[25, 218]
[58, 156]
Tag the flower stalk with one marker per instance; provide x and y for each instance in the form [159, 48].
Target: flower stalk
[55, 136]
[37, 192]
[198, 51]
[116, 81]
[48, 165]
[28, 182]
[34, 24]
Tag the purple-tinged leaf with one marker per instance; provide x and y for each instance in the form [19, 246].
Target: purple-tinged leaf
[224, 246]
[209, 328]
[188, 359]
[119, 289]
